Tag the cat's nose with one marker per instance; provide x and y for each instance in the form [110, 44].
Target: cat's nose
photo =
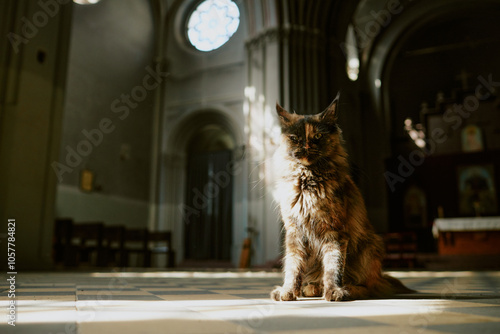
[306, 146]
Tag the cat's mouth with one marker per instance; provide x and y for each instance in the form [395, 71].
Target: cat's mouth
[305, 161]
[305, 158]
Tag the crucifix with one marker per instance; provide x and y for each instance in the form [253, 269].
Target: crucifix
[464, 78]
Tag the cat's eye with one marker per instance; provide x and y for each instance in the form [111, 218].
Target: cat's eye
[294, 138]
[318, 136]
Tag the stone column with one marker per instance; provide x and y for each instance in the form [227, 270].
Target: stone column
[33, 69]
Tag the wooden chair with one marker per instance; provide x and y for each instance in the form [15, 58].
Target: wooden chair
[161, 243]
[136, 242]
[401, 249]
[114, 246]
[100, 245]
[86, 241]
[63, 231]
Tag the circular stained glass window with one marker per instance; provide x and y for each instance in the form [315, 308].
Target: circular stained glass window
[212, 23]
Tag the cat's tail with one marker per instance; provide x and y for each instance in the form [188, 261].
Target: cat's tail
[396, 286]
[387, 286]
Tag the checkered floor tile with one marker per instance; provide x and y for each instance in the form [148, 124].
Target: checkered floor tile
[217, 302]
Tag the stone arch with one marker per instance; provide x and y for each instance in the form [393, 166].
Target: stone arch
[378, 57]
[186, 125]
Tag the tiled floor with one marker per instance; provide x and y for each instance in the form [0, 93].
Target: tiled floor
[211, 302]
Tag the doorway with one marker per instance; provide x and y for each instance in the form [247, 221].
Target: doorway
[209, 193]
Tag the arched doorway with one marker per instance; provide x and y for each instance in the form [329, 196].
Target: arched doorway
[213, 131]
[209, 191]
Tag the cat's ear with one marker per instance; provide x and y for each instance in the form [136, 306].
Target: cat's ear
[330, 114]
[284, 116]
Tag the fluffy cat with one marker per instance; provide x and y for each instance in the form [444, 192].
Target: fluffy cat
[331, 248]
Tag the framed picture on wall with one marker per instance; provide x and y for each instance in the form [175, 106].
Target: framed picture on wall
[415, 207]
[476, 188]
[472, 139]
[86, 180]
[436, 123]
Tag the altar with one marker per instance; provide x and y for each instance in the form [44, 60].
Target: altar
[474, 235]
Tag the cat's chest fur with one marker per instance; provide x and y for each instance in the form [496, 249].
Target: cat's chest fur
[310, 184]
[308, 195]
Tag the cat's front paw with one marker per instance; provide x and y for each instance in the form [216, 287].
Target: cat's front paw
[312, 290]
[337, 294]
[281, 294]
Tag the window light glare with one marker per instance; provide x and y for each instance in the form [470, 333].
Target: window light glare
[86, 2]
[351, 53]
[354, 62]
[212, 23]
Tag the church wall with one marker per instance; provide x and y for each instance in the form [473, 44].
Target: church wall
[109, 103]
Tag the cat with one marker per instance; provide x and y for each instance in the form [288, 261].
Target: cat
[331, 249]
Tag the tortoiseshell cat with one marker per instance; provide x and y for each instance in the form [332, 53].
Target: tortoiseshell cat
[331, 247]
